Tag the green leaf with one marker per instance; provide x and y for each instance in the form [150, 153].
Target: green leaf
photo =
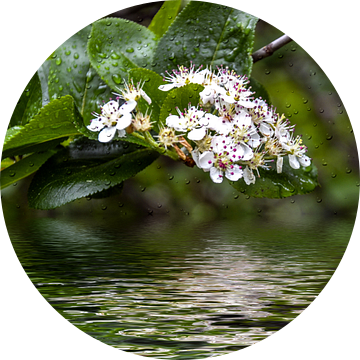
[54, 122]
[276, 186]
[180, 97]
[70, 73]
[118, 45]
[24, 167]
[208, 34]
[29, 103]
[151, 81]
[86, 168]
[164, 17]
[49, 57]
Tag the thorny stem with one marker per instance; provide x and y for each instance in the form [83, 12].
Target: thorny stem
[270, 48]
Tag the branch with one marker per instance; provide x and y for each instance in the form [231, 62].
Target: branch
[269, 49]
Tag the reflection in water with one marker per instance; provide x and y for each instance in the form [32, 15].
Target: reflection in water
[176, 290]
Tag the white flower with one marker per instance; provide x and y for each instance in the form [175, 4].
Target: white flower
[263, 117]
[167, 137]
[273, 147]
[218, 160]
[220, 124]
[210, 94]
[141, 122]
[234, 89]
[243, 131]
[283, 130]
[296, 151]
[112, 118]
[253, 164]
[183, 76]
[192, 120]
[134, 93]
[211, 88]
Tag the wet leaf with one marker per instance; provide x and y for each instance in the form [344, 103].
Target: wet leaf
[276, 186]
[24, 167]
[164, 17]
[29, 103]
[55, 122]
[117, 46]
[70, 73]
[210, 35]
[86, 168]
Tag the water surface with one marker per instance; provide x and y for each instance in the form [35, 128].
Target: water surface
[179, 290]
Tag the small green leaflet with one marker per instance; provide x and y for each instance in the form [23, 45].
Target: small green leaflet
[164, 17]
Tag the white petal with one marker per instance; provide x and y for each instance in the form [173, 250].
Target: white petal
[223, 95]
[246, 103]
[124, 121]
[96, 124]
[266, 129]
[249, 176]
[110, 107]
[216, 175]
[207, 95]
[206, 160]
[145, 97]
[243, 119]
[213, 121]
[234, 174]
[196, 155]
[293, 161]
[121, 133]
[247, 152]
[127, 106]
[254, 140]
[304, 160]
[197, 134]
[218, 143]
[107, 134]
[279, 164]
[167, 87]
[173, 121]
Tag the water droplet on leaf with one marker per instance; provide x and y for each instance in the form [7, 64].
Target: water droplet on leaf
[116, 78]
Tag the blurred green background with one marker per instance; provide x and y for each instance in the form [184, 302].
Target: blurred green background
[298, 88]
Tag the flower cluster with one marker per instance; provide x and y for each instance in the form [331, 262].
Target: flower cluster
[234, 133]
[229, 133]
[121, 119]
